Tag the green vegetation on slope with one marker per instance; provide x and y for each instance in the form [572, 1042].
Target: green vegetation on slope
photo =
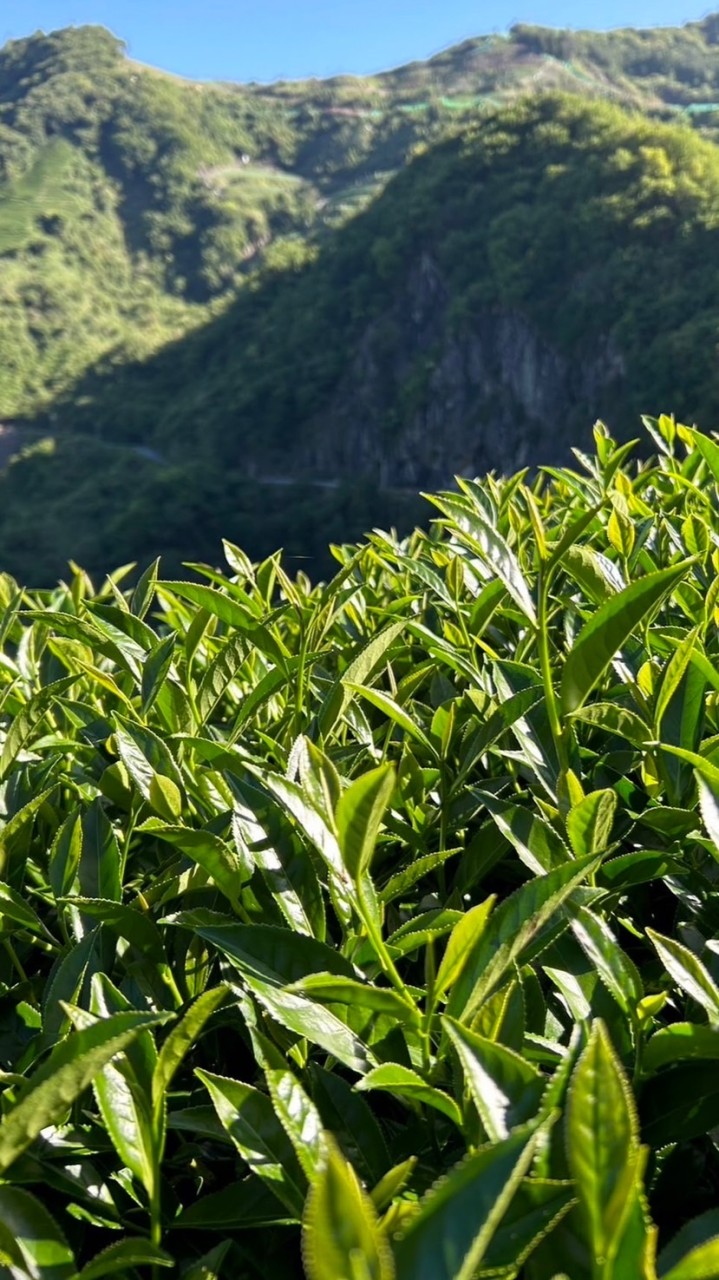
[592, 224]
[80, 499]
[69, 289]
[678, 65]
[551, 263]
[182, 270]
[370, 929]
[187, 185]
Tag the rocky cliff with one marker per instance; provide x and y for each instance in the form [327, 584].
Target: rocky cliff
[424, 399]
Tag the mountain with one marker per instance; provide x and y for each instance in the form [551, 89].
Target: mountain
[274, 312]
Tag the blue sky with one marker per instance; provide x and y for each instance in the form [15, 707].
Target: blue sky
[267, 39]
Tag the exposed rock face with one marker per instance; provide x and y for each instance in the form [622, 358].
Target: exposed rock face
[427, 400]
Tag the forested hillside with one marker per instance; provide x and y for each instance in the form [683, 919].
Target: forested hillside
[211, 292]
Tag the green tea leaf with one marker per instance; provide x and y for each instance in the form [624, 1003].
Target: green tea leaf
[347, 1115]
[181, 1039]
[609, 628]
[698, 1231]
[537, 1207]
[99, 867]
[393, 1183]
[209, 1266]
[31, 1243]
[415, 871]
[217, 603]
[622, 722]
[219, 675]
[238, 1206]
[634, 1249]
[122, 1088]
[457, 1220]
[152, 768]
[505, 1088]
[680, 1041]
[590, 822]
[602, 1142]
[215, 856]
[318, 832]
[483, 538]
[71, 1067]
[688, 972]
[392, 709]
[513, 928]
[269, 960]
[405, 1083]
[18, 823]
[707, 447]
[65, 855]
[249, 1118]
[341, 1237]
[673, 676]
[16, 911]
[464, 938]
[613, 965]
[538, 845]
[331, 988]
[155, 671]
[116, 1259]
[701, 1263]
[359, 817]
[299, 1118]
[144, 592]
[708, 793]
[358, 672]
[129, 923]
[291, 879]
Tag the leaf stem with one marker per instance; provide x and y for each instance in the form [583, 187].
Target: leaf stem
[155, 1216]
[545, 663]
[385, 960]
[18, 967]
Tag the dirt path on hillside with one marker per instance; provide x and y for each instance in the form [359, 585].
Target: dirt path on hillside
[13, 439]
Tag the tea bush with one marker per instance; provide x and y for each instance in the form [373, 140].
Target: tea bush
[368, 931]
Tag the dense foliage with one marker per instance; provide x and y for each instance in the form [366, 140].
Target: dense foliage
[381, 913]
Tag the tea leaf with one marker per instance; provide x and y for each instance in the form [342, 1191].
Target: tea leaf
[249, 1118]
[341, 1238]
[688, 972]
[359, 816]
[602, 1142]
[407, 1084]
[609, 628]
[71, 1067]
[457, 1220]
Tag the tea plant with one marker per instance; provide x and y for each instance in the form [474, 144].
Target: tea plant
[368, 931]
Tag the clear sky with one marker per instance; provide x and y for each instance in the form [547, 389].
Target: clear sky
[267, 39]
